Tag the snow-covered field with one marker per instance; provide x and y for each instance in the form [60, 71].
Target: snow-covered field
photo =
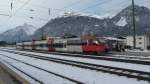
[94, 61]
[83, 75]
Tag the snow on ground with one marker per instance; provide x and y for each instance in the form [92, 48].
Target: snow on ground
[138, 50]
[84, 75]
[94, 61]
[19, 73]
[125, 55]
[40, 75]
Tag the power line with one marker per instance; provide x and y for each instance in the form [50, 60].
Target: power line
[67, 6]
[18, 10]
[94, 5]
[77, 2]
[25, 3]
[22, 7]
[33, 18]
[61, 9]
[4, 15]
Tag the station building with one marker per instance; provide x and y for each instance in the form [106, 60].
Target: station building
[142, 42]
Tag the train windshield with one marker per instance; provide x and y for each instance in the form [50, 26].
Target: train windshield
[95, 42]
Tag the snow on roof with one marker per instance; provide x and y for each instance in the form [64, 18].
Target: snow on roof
[113, 38]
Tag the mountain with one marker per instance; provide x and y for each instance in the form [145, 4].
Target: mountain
[79, 25]
[20, 33]
[84, 25]
[123, 21]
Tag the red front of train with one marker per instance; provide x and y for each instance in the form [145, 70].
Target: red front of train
[94, 45]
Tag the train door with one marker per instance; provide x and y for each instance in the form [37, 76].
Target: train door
[33, 45]
[50, 45]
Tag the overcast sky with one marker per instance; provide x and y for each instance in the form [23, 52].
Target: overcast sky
[35, 12]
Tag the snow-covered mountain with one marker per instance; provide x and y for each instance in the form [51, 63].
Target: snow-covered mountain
[123, 21]
[82, 24]
[19, 33]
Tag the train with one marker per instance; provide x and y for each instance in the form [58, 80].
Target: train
[71, 45]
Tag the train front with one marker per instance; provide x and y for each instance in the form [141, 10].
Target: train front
[94, 45]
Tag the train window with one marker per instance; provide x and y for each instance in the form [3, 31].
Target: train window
[77, 42]
[74, 42]
[58, 45]
[37, 45]
[41, 45]
[84, 43]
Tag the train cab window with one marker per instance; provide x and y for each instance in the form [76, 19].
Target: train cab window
[93, 42]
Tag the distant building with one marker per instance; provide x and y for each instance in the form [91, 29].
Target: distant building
[115, 44]
[142, 42]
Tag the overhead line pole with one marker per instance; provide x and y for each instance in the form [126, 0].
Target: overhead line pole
[134, 27]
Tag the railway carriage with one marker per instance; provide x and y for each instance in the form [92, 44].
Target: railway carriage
[40, 45]
[27, 45]
[74, 45]
[20, 46]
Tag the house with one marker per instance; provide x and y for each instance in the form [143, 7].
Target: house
[142, 41]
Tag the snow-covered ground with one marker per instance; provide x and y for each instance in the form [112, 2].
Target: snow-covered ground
[84, 75]
[38, 74]
[94, 61]
[138, 50]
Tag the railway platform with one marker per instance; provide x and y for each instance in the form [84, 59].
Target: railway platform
[8, 76]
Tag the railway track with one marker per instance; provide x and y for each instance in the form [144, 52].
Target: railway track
[37, 80]
[126, 59]
[140, 75]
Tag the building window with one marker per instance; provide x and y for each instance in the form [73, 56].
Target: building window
[140, 38]
[140, 42]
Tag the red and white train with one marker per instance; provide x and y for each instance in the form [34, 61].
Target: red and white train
[74, 45]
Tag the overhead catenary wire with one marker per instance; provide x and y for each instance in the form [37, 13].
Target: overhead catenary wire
[52, 9]
[31, 17]
[17, 11]
[25, 3]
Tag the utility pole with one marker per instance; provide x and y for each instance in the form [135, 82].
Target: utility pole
[11, 5]
[49, 12]
[134, 29]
